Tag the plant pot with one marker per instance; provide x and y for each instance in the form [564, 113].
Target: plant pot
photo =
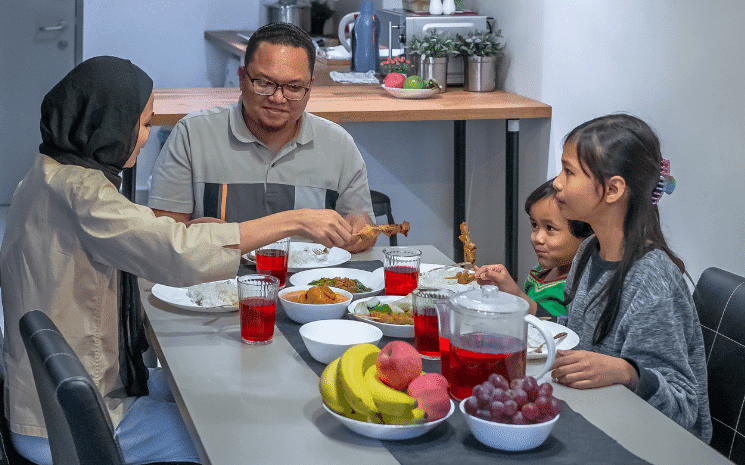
[433, 68]
[480, 74]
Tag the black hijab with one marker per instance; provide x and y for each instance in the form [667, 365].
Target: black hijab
[91, 119]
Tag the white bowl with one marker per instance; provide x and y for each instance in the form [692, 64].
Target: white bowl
[389, 329]
[305, 313]
[327, 340]
[508, 437]
[389, 432]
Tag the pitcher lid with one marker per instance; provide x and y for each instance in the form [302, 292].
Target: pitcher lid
[488, 299]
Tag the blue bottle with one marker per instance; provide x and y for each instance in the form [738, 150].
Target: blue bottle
[365, 39]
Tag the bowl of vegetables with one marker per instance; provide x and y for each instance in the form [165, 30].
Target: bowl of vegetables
[392, 314]
[359, 283]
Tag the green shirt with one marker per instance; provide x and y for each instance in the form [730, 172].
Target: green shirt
[548, 294]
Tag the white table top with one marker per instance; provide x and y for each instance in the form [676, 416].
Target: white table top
[241, 401]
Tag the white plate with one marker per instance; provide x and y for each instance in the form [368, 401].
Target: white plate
[390, 330]
[443, 284]
[336, 256]
[370, 280]
[177, 297]
[535, 339]
[389, 432]
[409, 93]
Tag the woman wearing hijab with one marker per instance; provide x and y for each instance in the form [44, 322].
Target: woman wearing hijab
[73, 246]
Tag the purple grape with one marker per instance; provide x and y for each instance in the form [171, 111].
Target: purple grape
[499, 381]
[545, 389]
[519, 419]
[516, 384]
[520, 397]
[510, 407]
[480, 395]
[530, 411]
[544, 404]
[500, 395]
[530, 385]
[483, 414]
[497, 410]
[555, 406]
[471, 406]
[488, 389]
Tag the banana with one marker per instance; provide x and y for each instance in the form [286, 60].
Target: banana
[414, 416]
[352, 366]
[331, 392]
[388, 400]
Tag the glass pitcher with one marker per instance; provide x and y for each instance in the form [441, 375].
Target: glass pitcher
[488, 332]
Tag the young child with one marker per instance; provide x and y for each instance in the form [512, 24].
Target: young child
[555, 241]
[628, 301]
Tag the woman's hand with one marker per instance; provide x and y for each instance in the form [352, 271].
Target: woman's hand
[582, 369]
[498, 276]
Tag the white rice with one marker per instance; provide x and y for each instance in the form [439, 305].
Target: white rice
[214, 294]
[301, 258]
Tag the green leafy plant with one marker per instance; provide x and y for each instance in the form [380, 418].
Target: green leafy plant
[434, 45]
[480, 43]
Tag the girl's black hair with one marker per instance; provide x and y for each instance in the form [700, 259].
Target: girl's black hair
[580, 229]
[622, 145]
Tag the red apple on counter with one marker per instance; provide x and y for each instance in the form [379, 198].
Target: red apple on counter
[394, 80]
[398, 363]
[431, 394]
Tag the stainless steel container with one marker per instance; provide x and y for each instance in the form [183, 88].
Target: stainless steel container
[480, 74]
[290, 12]
[434, 68]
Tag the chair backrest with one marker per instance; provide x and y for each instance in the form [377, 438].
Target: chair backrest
[720, 302]
[381, 204]
[8, 454]
[79, 427]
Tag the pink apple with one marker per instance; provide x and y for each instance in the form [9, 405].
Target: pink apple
[394, 80]
[398, 363]
[431, 393]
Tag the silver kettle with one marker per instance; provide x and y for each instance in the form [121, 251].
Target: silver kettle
[290, 11]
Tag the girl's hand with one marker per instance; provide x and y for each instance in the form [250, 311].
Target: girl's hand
[498, 275]
[582, 369]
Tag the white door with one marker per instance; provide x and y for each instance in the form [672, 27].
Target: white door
[40, 42]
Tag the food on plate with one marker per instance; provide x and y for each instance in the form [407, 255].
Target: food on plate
[215, 294]
[448, 277]
[463, 277]
[370, 232]
[397, 312]
[394, 80]
[414, 82]
[315, 295]
[469, 248]
[398, 364]
[351, 285]
[352, 386]
[431, 393]
[521, 402]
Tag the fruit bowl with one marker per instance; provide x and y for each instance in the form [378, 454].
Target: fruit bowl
[305, 313]
[410, 93]
[327, 340]
[505, 436]
[389, 432]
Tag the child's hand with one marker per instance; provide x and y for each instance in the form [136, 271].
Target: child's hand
[498, 276]
[581, 369]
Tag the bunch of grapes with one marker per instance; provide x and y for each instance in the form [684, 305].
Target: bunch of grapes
[521, 402]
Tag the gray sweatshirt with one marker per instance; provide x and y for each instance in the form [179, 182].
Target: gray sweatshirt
[656, 330]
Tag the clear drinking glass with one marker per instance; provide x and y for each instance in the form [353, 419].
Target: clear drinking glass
[426, 322]
[272, 259]
[401, 269]
[257, 295]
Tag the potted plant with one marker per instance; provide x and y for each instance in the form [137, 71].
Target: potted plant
[433, 50]
[399, 64]
[480, 51]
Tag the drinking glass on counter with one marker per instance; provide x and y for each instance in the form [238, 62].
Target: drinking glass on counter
[272, 259]
[401, 269]
[426, 331]
[257, 296]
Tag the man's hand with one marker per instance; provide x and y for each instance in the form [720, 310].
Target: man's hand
[582, 369]
[324, 226]
[359, 221]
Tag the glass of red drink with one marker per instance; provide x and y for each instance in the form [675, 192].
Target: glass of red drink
[272, 259]
[426, 322]
[257, 297]
[401, 269]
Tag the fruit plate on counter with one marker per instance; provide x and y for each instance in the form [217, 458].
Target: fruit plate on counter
[389, 329]
[410, 93]
[389, 432]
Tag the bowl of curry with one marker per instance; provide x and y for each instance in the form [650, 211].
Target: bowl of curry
[304, 304]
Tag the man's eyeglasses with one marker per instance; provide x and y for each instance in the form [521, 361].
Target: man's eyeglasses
[267, 88]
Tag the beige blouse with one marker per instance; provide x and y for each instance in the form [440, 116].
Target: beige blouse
[68, 232]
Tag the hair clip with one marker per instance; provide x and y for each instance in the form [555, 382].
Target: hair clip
[666, 185]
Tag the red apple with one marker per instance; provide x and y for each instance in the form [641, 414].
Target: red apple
[394, 80]
[431, 393]
[398, 363]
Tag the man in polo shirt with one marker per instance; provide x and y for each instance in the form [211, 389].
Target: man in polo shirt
[264, 154]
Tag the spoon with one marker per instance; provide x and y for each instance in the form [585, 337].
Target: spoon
[558, 336]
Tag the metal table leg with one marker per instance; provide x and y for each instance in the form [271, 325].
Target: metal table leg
[511, 193]
[459, 185]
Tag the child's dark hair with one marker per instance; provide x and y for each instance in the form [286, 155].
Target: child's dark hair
[625, 146]
[579, 229]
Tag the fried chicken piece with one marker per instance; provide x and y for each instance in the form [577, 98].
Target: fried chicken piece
[469, 248]
[370, 232]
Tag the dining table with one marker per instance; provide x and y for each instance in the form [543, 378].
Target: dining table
[261, 404]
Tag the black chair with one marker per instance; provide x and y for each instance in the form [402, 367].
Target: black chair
[79, 428]
[8, 454]
[381, 204]
[720, 302]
